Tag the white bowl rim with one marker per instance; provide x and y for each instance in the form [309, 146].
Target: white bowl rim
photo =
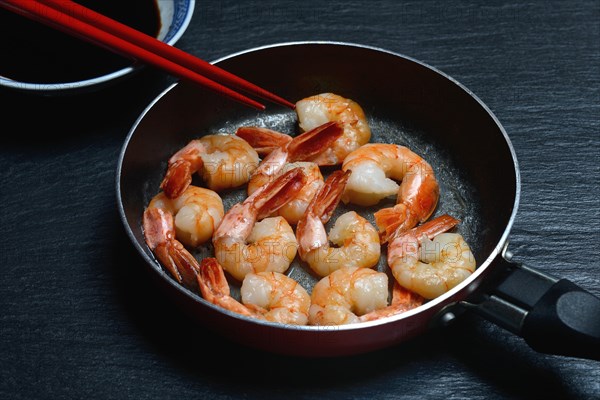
[64, 86]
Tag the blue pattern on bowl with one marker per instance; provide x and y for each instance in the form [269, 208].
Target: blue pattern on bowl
[180, 14]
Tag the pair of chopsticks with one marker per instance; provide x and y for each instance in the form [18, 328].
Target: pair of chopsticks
[79, 21]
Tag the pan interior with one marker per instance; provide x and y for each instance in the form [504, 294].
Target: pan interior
[405, 102]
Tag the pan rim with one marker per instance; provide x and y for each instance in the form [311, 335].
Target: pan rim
[466, 285]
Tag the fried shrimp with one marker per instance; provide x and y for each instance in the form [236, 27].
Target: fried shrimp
[276, 297]
[191, 218]
[197, 212]
[265, 295]
[375, 168]
[243, 245]
[313, 112]
[402, 301]
[356, 239]
[223, 161]
[319, 109]
[430, 267]
[296, 207]
[346, 294]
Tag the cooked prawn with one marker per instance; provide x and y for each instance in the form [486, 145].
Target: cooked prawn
[312, 112]
[402, 301]
[223, 161]
[191, 219]
[344, 295]
[266, 295]
[430, 267]
[296, 207]
[243, 245]
[276, 297]
[374, 168]
[287, 157]
[319, 109]
[197, 212]
[357, 239]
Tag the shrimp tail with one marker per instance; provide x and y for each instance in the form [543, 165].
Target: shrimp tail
[211, 279]
[326, 200]
[430, 229]
[160, 237]
[310, 230]
[177, 178]
[438, 225]
[182, 166]
[179, 262]
[393, 219]
[279, 192]
[300, 148]
[426, 192]
[314, 142]
[402, 301]
[215, 289]
[263, 140]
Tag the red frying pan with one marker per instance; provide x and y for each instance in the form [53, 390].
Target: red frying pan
[408, 103]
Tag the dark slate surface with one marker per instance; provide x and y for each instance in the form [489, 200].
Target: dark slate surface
[80, 319]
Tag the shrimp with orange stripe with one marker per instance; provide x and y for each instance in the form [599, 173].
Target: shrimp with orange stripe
[271, 296]
[355, 240]
[190, 219]
[375, 169]
[223, 161]
[248, 241]
[351, 295]
[314, 111]
[428, 260]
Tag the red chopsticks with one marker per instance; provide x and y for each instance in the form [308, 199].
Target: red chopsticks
[87, 24]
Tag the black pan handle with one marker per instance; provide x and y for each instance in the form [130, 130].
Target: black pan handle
[553, 316]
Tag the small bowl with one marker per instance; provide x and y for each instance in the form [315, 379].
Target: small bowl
[171, 18]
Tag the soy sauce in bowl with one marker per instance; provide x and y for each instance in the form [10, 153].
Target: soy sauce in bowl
[34, 53]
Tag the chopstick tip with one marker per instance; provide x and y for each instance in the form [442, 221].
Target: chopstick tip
[288, 104]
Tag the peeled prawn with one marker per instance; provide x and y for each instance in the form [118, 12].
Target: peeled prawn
[276, 297]
[293, 210]
[375, 167]
[402, 301]
[313, 112]
[243, 245]
[197, 212]
[316, 110]
[357, 239]
[288, 157]
[430, 267]
[191, 218]
[346, 294]
[223, 161]
[265, 295]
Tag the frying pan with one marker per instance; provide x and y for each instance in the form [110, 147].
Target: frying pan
[408, 103]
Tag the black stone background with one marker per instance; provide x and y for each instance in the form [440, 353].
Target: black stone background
[80, 319]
